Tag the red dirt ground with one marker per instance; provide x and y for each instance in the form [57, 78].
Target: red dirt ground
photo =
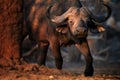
[35, 72]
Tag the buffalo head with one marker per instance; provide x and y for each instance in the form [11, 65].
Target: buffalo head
[78, 20]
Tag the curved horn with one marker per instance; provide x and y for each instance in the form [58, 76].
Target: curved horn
[63, 17]
[48, 11]
[101, 18]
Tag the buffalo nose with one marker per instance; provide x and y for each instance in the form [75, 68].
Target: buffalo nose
[81, 30]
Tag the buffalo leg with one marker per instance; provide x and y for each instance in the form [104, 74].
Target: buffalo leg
[84, 49]
[42, 49]
[57, 54]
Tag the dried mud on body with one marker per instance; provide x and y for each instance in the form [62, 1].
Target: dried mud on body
[35, 72]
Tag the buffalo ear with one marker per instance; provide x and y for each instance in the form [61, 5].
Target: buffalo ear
[97, 28]
[62, 29]
[101, 28]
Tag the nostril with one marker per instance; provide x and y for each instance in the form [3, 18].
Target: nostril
[78, 30]
[85, 31]
[81, 31]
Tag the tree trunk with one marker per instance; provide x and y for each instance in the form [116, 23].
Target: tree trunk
[10, 31]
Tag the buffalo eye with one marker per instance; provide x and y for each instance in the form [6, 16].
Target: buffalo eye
[71, 23]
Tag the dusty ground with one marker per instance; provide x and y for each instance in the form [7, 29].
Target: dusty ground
[34, 72]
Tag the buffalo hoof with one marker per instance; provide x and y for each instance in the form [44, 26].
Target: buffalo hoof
[59, 63]
[41, 63]
[89, 71]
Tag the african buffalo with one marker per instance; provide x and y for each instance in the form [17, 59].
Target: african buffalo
[56, 23]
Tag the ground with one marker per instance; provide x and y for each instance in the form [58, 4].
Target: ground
[35, 72]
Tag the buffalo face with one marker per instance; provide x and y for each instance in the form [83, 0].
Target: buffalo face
[76, 21]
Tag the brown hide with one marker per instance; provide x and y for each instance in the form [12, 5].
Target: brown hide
[44, 32]
[49, 34]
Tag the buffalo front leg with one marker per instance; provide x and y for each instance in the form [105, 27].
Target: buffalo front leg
[84, 49]
[55, 48]
[42, 52]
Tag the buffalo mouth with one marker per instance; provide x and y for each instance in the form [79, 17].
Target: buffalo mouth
[81, 35]
[79, 38]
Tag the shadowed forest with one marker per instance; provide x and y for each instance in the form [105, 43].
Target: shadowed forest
[104, 46]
